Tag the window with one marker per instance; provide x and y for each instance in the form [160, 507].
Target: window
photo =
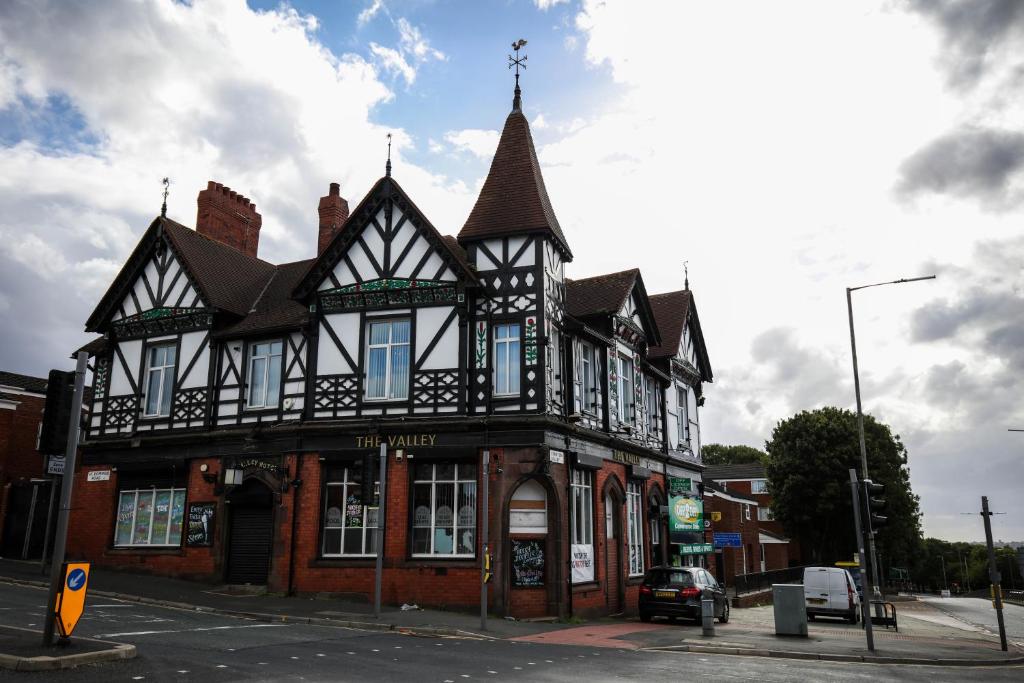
[506, 360]
[682, 419]
[444, 509]
[588, 369]
[764, 514]
[635, 521]
[759, 486]
[150, 517]
[582, 532]
[264, 374]
[387, 364]
[625, 390]
[653, 412]
[746, 512]
[159, 380]
[655, 532]
[350, 525]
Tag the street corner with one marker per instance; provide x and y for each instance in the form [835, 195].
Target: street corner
[22, 650]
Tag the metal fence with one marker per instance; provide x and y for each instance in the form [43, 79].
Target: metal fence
[751, 583]
[1015, 597]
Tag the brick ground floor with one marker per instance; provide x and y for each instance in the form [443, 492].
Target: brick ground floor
[572, 522]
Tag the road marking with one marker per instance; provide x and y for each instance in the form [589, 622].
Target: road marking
[95, 606]
[222, 666]
[491, 672]
[294, 657]
[137, 678]
[186, 630]
[350, 653]
[183, 671]
[320, 654]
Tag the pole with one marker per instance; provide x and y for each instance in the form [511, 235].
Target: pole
[865, 579]
[993, 572]
[944, 582]
[381, 517]
[484, 539]
[60, 542]
[863, 447]
[31, 519]
[49, 522]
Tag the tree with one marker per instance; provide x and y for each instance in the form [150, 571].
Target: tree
[809, 458]
[719, 454]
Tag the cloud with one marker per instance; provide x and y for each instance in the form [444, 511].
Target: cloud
[412, 51]
[413, 43]
[973, 163]
[480, 143]
[976, 32]
[369, 12]
[393, 61]
[545, 5]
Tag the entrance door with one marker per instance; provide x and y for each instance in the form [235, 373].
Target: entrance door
[613, 554]
[251, 533]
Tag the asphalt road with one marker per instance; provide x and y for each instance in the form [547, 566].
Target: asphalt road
[979, 612]
[176, 645]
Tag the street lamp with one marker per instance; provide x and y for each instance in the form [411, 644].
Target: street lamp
[860, 412]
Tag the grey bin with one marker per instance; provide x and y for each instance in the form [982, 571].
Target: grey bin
[790, 610]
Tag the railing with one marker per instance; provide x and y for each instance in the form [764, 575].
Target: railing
[1015, 597]
[751, 583]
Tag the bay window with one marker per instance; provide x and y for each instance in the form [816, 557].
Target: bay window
[387, 360]
[160, 361]
[506, 360]
[350, 525]
[149, 517]
[264, 374]
[444, 509]
[635, 527]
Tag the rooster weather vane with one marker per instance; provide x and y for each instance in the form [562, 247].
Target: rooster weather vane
[517, 62]
[167, 190]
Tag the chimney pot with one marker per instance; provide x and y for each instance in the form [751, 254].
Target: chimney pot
[335, 190]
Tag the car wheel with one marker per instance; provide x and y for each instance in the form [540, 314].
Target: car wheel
[724, 619]
[645, 617]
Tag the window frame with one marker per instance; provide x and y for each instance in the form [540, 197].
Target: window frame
[764, 513]
[588, 373]
[758, 486]
[368, 532]
[635, 527]
[268, 357]
[458, 482]
[581, 500]
[388, 346]
[507, 341]
[625, 398]
[152, 492]
[682, 415]
[149, 369]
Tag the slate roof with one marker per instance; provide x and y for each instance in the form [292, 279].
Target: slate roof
[514, 199]
[726, 492]
[599, 295]
[752, 470]
[670, 311]
[23, 382]
[274, 309]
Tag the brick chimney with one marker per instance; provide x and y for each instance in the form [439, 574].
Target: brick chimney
[229, 218]
[333, 214]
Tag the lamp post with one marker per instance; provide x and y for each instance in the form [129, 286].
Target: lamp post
[860, 412]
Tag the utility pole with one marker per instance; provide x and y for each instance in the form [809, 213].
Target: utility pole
[945, 583]
[68, 480]
[993, 572]
[485, 568]
[865, 578]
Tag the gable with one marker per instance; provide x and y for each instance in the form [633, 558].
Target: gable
[386, 253]
[635, 314]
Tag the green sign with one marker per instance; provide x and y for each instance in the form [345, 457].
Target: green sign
[685, 514]
[695, 548]
[678, 486]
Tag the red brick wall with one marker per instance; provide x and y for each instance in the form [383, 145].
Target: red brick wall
[734, 521]
[18, 428]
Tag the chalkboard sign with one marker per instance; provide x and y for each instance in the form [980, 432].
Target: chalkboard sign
[200, 523]
[527, 563]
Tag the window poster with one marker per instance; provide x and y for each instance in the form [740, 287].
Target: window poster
[582, 563]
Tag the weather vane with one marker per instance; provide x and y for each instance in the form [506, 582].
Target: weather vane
[387, 168]
[686, 274]
[167, 190]
[517, 61]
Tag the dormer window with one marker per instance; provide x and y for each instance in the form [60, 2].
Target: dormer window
[626, 397]
[264, 374]
[387, 365]
[506, 360]
[159, 380]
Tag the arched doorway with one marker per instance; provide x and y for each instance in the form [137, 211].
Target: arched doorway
[613, 551]
[529, 578]
[250, 533]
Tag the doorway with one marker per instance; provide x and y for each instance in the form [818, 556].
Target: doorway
[250, 533]
[613, 553]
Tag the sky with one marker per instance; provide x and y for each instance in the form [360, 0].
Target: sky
[784, 151]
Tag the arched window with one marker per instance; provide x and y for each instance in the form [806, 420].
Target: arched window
[528, 511]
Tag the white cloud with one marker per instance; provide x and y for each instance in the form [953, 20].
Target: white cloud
[545, 5]
[413, 42]
[480, 143]
[393, 61]
[368, 13]
[539, 122]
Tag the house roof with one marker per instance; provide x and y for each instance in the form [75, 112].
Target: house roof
[23, 382]
[274, 308]
[670, 310]
[753, 470]
[514, 199]
[599, 295]
[725, 493]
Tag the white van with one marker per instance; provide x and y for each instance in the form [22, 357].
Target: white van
[831, 592]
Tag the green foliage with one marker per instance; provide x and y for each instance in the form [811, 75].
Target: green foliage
[809, 458]
[719, 454]
[966, 566]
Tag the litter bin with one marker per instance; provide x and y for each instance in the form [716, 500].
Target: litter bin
[790, 610]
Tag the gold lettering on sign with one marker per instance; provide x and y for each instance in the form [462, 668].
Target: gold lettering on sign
[628, 458]
[396, 440]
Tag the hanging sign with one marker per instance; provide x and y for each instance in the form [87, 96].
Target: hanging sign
[71, 599]
[582, 563]
[679, 486]
[527, 563]
[200, 524]
[686, 514]
[696, 549]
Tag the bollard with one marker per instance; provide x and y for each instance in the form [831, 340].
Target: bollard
[707, 612]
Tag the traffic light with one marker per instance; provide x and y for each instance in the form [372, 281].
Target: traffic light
[60, 392]
[873, 506]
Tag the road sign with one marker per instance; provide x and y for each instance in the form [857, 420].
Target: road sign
[695, 548]
[55, 465]
[728, 540]
[71, 600]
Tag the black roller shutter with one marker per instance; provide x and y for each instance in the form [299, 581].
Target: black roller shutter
[250, 545]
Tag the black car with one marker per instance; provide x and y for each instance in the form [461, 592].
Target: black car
[676, 592]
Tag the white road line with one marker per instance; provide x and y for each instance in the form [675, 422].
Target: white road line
[94, 606]
[186, 630]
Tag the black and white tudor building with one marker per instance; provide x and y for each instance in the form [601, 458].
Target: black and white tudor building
[236, 403]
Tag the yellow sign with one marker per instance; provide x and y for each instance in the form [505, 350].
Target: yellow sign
[71, 599]
[716, 516]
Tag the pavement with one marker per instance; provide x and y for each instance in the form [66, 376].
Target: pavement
[930, 634]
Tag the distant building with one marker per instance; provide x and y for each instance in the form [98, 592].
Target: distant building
[22, 467]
